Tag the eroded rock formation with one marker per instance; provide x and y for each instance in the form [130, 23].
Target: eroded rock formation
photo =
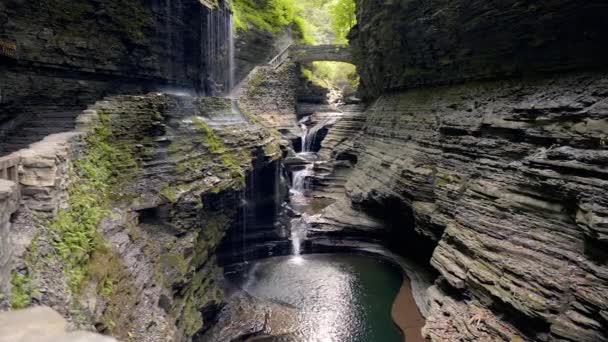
[154, 183]
[507, 178]
[69, 54]
[404, 44]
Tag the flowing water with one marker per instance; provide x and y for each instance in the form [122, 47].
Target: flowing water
[339, 297]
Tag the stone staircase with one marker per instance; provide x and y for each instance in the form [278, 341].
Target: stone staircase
[38, 126]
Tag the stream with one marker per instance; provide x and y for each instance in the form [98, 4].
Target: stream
[304, 297]
[339, 297]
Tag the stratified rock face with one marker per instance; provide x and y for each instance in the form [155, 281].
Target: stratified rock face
[270, 95]
[69, 53]
[510, 179]
[178, 166]
[402, 44]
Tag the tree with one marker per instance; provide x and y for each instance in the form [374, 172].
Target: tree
[343, 14]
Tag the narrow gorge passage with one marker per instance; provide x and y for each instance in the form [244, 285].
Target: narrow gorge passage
[303, 171]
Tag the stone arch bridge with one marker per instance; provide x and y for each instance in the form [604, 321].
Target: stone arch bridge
[315, 53]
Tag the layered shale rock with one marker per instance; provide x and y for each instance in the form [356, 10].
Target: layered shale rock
[403, 44]
[58, 56]
[509, 179]
[506, 178]
[269, 94]
[154, 183]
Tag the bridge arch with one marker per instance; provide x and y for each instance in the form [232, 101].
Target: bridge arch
[321, 53]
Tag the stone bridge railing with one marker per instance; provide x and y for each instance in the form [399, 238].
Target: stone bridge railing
[9, 168]
[321, 53]
[313, 53]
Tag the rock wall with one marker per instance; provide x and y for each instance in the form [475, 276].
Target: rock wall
[509, 179]
[154, 183]
[270, 95]
[404, 44]
[9, 203]
[256, 47]
[72, 53]
[502, 177]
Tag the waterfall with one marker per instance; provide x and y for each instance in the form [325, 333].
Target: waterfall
[231, 55]
[300, 180]
[218, 52]
[298, 233]
[169, 32]
[304, 135]
[299, 188]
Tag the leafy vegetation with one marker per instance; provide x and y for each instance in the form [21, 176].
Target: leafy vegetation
[22, 290]
[342, 76]
[343, 18]
[317, 21]
[99, 171]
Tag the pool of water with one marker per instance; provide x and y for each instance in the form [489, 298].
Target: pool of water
[338, 297]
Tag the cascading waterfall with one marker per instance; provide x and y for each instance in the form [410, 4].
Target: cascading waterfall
[304, 135]
[218, 52]
[231, 56]
[169, 32]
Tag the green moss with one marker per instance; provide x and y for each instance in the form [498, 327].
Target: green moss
[169, 193]
[210, 139]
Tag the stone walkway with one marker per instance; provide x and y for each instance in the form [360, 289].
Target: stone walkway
[42, 324]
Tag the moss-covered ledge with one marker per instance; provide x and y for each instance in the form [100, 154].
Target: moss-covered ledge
[129, 248]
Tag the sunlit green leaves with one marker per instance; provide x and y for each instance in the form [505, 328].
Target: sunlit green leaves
[317, 21]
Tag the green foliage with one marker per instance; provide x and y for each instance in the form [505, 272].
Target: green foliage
[343, 18]
[22, 290]
[104, 167]
[317, 21]
[269, 15]
[337, 75]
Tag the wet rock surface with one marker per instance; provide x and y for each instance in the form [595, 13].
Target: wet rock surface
[69, 54]
[154, 274]
[406, 44]
[507, 178]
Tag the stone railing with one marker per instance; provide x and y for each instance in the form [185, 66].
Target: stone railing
[279, 59]
[320, 53]
[9, 168]
[35, 180]
[9, 203]
[312, 53]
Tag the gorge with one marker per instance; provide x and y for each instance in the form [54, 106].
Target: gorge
[185, 170]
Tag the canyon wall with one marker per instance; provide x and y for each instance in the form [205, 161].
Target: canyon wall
[71, 53]
[503, 174]
[120, 219]
[509, 179]
[404, 44]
